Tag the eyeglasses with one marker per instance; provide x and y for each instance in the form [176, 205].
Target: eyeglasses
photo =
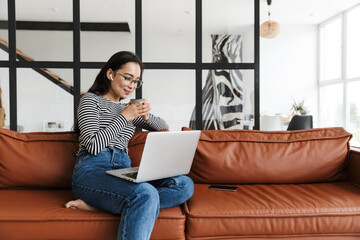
[129, 80]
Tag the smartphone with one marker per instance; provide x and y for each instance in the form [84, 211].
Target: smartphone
[223, 188]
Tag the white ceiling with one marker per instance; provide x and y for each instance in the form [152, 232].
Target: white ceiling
[304, 11]
[236, 11]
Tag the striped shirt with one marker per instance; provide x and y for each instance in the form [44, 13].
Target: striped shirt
[102, 125]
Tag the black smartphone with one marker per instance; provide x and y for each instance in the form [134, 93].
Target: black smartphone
[223, 188]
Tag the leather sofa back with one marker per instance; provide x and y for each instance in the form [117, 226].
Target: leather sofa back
[136, 147]
[243, 156]
[46, 159]
[38, 160]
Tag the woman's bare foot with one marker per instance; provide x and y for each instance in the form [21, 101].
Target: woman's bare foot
[80, 204]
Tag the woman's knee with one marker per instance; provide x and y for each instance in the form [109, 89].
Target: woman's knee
[186, 186]
[147, 194]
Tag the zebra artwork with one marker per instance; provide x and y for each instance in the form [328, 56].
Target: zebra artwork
[223, 93]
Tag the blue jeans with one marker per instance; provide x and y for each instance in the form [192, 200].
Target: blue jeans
[137, 203]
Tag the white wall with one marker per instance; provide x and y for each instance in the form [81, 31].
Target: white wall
[288, 70]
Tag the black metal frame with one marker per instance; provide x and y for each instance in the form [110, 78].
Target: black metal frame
[76, 64]
[198, 62]
[76, 52]
[12, 64]
[68, 26]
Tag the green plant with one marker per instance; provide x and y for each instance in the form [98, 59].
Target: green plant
[298, 107]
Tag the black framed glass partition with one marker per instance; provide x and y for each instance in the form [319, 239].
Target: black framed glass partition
[4, 56]
[106, 29]
[64, 46]
[4, 98]
[168, 33]
[228, 31]
[46, 35]
[45, 108]
[228, 99]
[171, 94]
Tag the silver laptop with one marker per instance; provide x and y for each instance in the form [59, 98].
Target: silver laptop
[166, 154]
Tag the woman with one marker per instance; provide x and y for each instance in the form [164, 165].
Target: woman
[106, 125]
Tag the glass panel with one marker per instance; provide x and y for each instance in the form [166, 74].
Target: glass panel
[42, 104]
[331, 106]
[87, 78]
[4, 98]
[44, 45]
[168, 30]
[65, 76]
[101, 45]
[171, 94]
[353, 90]
[228, 99]
[4, 31]
[4, 48]
[330, 50]
[353, 47]
[228, 31]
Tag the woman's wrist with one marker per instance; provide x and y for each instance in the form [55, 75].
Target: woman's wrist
[145, 117]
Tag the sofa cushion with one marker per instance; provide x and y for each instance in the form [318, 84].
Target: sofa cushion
[249, 156]
[283, 210]
[37, 159]
[40, 214]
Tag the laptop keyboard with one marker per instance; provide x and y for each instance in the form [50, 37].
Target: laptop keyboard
[131, 175]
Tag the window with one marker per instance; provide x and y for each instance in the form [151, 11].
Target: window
[352, 43]
[330, 50]
[339, 78]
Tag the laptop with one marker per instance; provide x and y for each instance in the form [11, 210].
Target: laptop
[166, 154]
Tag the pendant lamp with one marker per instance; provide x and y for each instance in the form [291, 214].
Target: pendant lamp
[269, 29]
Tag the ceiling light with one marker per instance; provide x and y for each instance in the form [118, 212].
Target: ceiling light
[269, 29]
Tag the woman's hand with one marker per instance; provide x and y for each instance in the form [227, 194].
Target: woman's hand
[132, 111]
[147, 109]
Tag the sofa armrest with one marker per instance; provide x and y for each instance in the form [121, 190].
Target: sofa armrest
[354, 165]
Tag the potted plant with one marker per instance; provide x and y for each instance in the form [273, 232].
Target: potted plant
[298, 108]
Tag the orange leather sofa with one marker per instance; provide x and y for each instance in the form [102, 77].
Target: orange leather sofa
[291, 185]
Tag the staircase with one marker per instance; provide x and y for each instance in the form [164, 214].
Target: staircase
[43, 71]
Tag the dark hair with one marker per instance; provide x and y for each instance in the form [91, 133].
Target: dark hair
[101, 84]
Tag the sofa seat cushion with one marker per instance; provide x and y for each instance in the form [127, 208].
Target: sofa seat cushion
[40, 214]
[287, 210]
